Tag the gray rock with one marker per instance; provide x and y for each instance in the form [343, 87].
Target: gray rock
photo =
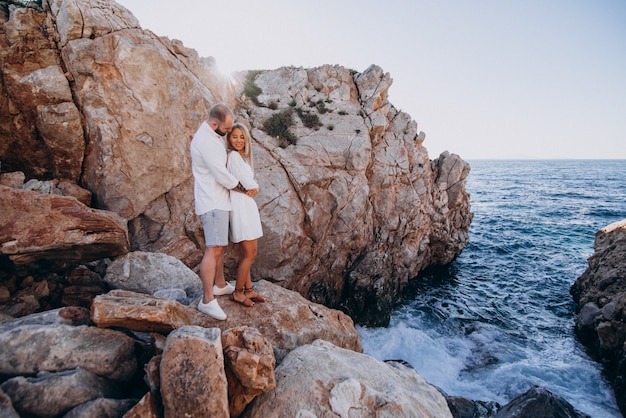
[51, 394]
[102, 407]
[321, 379]
[539, 402]
[149, 273]
[29, 349]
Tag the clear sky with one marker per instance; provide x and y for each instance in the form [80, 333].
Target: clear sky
[482, 78]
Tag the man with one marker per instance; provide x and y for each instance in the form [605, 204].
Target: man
[212, 183]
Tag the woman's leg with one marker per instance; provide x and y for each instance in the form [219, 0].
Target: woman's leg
[249, 290]
[247, 254]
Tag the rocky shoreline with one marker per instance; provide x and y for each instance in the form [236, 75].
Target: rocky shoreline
[600, 293]
[131, 354]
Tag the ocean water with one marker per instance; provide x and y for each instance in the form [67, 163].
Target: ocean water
[500, 318]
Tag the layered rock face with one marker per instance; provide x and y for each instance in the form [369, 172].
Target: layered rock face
[600, 293]
[352, 209]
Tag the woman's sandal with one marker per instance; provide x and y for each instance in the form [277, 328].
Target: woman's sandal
[245, 301]
[253, 295]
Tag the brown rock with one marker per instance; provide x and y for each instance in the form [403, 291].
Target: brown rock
[249, 366]
[69, 188]
[40, 125]
[35, 227]
[14, 179]
[148, 407]
[138, 312]
[153, 376]
[193, 382]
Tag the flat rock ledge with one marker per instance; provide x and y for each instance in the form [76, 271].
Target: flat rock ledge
[600, 293]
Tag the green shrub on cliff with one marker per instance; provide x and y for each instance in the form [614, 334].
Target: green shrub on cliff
[278, 125]
[250, 89]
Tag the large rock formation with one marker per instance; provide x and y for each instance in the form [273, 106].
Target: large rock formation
[352, 209]
[600, 293]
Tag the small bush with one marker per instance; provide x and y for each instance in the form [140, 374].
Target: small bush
[278, 125]
[310, 120]
[250, 89]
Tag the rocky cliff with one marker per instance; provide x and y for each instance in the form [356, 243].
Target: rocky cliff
[600, 293]
[352, 207]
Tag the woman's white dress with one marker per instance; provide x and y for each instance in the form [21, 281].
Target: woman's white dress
[245, 222]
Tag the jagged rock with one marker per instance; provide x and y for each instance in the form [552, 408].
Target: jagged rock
[193, 381]
[249, 364]
[40, 124]
[102, 407]
[76, 19]
[29, 349]
[145, 272]
[132, 161]
[600, 293]
[148, 407]
[465, 408]
[51, 394]
[36, 226]
[321, 379]
[538, 402]
[287, 320]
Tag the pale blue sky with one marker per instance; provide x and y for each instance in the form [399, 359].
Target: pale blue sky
[483, 79]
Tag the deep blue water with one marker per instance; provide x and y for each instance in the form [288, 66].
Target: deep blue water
[500, 318]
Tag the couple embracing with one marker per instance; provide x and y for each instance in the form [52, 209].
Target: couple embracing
[224, 188]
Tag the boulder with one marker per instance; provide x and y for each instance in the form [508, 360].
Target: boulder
[249, 364]
[321, 379]
[149, 273]
[36, 226]
[538, 402]
[139, 312]
[51, 394]
[193, 380]
[30, 349]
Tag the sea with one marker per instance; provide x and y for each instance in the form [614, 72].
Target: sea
[500, 319]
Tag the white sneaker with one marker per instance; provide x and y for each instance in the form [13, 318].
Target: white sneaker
[226, 290]
[212, 309]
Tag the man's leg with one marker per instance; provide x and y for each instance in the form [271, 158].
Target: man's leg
[208, 266]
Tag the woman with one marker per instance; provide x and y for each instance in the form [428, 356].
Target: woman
[245, 223]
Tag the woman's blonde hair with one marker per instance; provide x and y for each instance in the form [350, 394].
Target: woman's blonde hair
[247, 148]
